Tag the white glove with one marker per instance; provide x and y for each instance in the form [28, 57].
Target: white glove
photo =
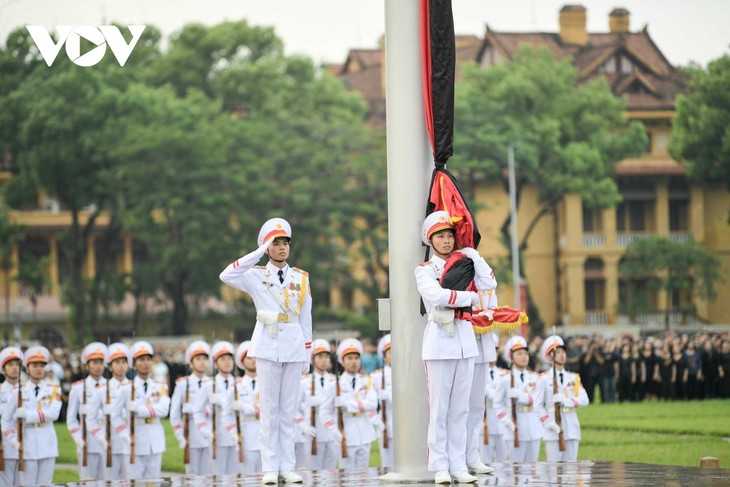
[384, 395]
[510, 425]
[102, 442]
[136, 407]
[216, 400]
[308, 430]
[15, 443]
[187, 408]
[475, 301]
[514, 392]
[557, 399]
[79, 441]
[264, 247]
[336, 435]
[378, 423]
[489, 313]
[107, 408]
[237, 405]
[470, 252]
[20, 413]
[83, 410]
[208, 434]
[314, 401]
[339, 402]
[181, 443]
[125, 437]
[552, 426]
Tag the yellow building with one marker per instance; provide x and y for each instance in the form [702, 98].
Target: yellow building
[572, 258]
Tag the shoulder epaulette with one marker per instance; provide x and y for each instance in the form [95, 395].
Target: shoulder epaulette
[306, 376]
[259, 267]
[80, 381]
[503, 372]
[428, 262]
[300, 271]
[181, 379]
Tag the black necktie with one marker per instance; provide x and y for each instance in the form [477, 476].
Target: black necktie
[200, 383]
[97, 385]
[253, 384]
[561, 378]
[281, 276]
[491, 374]
[522, 377]
[321, 381]
[353, 383]
[226, 383]
[145, 387]
[37, 388]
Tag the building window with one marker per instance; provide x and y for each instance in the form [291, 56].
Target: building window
[594, 284]
[636, 297]
[635, 216]
[679, 199]
[591, 220]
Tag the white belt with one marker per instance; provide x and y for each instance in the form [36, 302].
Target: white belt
[271, 320]
[249, 417]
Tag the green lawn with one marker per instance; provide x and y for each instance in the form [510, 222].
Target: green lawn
[674, 433]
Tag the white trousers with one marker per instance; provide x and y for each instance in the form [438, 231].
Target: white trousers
[38, 472]
[303, 454]
[251, 461]
[278, 384]
[553, 453]
[326, 457]
[226, 461]
[10, 476]
[475, 420]
[200, 460]
[449, 384]
[358, 456]
[145, 467]
[94, 469]
[528, 451]
[118, 470]
[386, 454]
[495, 451]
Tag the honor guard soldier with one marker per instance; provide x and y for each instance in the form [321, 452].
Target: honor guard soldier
[35, 414]
[119, 359]
[280, 343]
[569, 394]
[523, 395]
[382, 381]
[316, 448]
[10, 359]
[146, 401]
[90, 449]
[449, 348]
[248, 409]
[227, 430]
[357, 399]
[187, 405]
[495, 449]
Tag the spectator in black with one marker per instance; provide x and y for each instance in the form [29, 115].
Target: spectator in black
[680, 362]
[693, 371]
[723, 370]
[591, 364]
[667, 374]
[573, 352]
[709, 370]
[607, 381]
[648, 372]
[625, 372]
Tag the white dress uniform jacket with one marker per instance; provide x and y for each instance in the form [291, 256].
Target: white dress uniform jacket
[574, 395]
[494, 400]
[528, 422]
[42, 409]
[94, 416]
[288, 337]
[199, 421]
[7, 393]
[120, 422]
[148, 432]
[248, 395]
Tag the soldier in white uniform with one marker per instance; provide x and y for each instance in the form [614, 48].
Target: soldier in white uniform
[226, 431]
[357, 400]
[188, 403]
[527, 393]
[448, 351]
[248, 409]
[118, 358]
[10, 359]
[280, 343]
[93, 358]
[146, 401]
[494, 396]
[385, 400]
[323, 384]
[570, 395]
[40, 407]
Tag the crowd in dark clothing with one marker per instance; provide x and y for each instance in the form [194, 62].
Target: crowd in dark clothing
[669, 366]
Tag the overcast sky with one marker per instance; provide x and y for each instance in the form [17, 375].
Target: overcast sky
[685, 30]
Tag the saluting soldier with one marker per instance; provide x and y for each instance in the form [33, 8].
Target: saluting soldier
[570, 396]
[280, 343]
[10, 359]
[93, 359]
[248, 409]
[385, 399]
[449, 349]
[226, 455]
[527, 393]
[41, 405]
[188, 403]
[118, 358]
[146, 406]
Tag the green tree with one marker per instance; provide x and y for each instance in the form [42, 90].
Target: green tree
[33, 276]
[569, 135]
[701, 127]
[688, 268]
[10, 235]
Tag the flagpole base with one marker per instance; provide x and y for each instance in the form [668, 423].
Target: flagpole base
[408, 478]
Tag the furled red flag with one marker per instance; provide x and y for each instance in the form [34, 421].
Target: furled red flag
[438, 50]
